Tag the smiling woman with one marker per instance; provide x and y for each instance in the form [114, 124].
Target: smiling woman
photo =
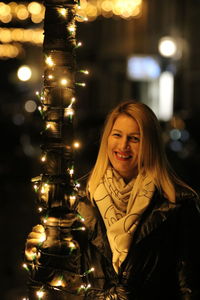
[141, 220]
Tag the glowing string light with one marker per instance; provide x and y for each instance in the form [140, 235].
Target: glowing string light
[71, 171]
[86, 72]
[40, 294]
[50, 76]
[76, 145]
[48, 126]
[25, 266]
[62, 11]
[49, 61]
[63, 81]
[79, 228]
[42, 238]
[72, 28]
[89, 271]
[79, 44]
[83, 287]
[83, 84]
[43, 158]
[81, 218]
[45, 188]
[36, 187]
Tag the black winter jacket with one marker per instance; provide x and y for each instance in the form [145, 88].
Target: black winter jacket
[163, 261]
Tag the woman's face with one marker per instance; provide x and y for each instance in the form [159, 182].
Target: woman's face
[123, 146]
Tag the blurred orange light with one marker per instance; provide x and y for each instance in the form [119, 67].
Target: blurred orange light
[22, 12]
[34, 8]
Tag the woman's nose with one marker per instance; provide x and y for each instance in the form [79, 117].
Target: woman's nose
[124, 144]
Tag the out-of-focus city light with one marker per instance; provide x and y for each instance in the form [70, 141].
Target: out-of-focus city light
[30, 106]
[88, 11]
[10, 35]
[24, 73]
[35, 8]
[10, 50]
[175, 134]
[18, 119]
[167, 46]
[22, 11]
[142, 68]
[166, 96]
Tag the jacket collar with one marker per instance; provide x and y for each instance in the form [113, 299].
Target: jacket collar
[158, 212]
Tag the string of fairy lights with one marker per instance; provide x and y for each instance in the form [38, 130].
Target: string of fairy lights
[56, 188]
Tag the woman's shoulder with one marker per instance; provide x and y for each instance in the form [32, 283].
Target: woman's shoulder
[188, 198]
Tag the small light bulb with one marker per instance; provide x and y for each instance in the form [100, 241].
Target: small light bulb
[72, 245]
[76, 145]
[37, 93]
[62, 12]
[50, 76]
[49, 61]
[71, 171]
[86, 72]
[88, 286]
[39, 108]
[69, 112]
[63, 81]
[40, 294]
[35, 187]
[73, 100]
[79, 44]
[71, 28]
[25, 266]
[83, 84]
[48, 126]
[43, 158]
[40, 209]
[42, 238]
[59, 283]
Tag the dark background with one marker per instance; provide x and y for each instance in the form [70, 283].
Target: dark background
[107, 44]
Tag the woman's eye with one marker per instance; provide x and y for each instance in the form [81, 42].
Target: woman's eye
[116, 134]
[134, 139]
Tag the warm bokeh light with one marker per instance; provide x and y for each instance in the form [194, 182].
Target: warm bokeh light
[24, 73]
[22, 12]
[30, 106]
[10, 35]
[167, 46]
[89, 10]
[10, 50]
[35, 8]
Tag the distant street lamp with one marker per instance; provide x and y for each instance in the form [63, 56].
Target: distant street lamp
[167, 46]
[24, 73]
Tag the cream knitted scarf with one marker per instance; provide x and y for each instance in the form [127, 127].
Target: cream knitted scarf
[121, 206]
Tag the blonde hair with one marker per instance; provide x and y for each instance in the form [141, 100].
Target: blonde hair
[152, 158]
